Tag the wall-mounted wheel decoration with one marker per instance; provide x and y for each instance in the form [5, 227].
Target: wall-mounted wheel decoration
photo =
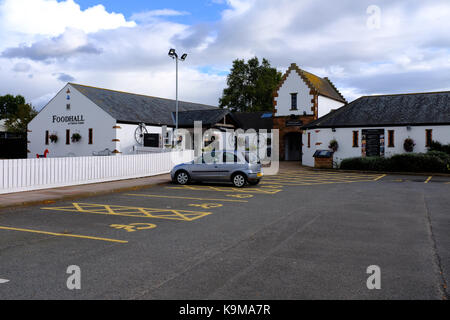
[139, 133]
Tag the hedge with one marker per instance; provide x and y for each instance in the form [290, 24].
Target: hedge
[408, 162]
[437, 146]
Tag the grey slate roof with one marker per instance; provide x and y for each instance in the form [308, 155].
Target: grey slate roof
[390, 110]
[207, 117]
[135, 108]
[253, 120]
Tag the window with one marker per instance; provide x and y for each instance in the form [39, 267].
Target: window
[355, 139]
[390, 138]
[428, 137]
[309, 139]
[91, 136]
[68, 106]
[229, 157]
[46, 137]
[67, 136]
[293, 101]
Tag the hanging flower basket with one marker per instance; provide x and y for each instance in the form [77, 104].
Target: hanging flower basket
[408, 145]
[76, 137]
[333, 145]
[53, 138]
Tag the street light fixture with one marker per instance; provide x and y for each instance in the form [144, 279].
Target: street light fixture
[173, 55]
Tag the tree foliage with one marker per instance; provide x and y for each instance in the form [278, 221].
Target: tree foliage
[250, 86]
[9, 105]
[17, 113]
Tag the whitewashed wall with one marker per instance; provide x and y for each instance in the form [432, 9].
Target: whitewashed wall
[126, 135]
[294, 84]
[33, 174]
[325, 105]
[344, 137]
[94, 117]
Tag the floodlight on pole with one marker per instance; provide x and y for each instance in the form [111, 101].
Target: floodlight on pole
[173, 55]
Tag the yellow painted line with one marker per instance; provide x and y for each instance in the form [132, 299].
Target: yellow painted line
[187, 198]
[429, 178]
[116, 210]
[382, 176]
[63, 235]
[226, 189]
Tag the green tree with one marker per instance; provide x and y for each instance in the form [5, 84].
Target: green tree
[250, 86]
[9, 105]
[18, 121]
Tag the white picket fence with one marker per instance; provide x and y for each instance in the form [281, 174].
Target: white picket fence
[33, 174]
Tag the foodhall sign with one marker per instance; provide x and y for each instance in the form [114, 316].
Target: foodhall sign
[79, 119]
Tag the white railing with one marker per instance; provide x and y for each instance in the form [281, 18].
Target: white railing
[33, 174]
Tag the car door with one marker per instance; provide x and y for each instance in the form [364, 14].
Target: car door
[228, 165]
[207, 169]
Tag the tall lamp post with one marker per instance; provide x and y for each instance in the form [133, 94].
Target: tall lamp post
[174, 55]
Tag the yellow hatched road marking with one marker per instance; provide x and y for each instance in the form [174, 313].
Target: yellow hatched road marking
[428, 180]
[63, 234]
[170, 214]
[227, 189]
[382, 176]
[187, 198]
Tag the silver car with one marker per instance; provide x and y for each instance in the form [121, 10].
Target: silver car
[220, 166]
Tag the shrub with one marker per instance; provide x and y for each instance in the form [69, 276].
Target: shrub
[408, 145]
[53, 138]
[366, 163]
[410, 162]
[333, 145]
[437, 146]
[417, 162]
[76, 137]
[440, 154]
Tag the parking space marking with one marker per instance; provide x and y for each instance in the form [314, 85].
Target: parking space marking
[428, 179]
[134, 226]
[380, 177]
[226, 189]
[206, 205]
[186, 198]
[62, 234]
[240, 196]
[116, 210]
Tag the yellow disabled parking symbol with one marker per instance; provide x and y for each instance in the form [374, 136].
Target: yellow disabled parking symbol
[134, 226]
[206, 205]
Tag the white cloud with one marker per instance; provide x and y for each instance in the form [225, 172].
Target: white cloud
[71, 42]
[22, 67]
[154, 14]
[409, 53]
[50, 17]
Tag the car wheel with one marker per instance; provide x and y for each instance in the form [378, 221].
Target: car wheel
[254, 182]
[239, 180]
[182, 177]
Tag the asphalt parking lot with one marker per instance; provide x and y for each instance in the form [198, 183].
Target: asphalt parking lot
[301, 234]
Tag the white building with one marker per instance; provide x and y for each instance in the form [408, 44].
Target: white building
[299, 99]
[379, 125]
[88, 121]
[84, 121]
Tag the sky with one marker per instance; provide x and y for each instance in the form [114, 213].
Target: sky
[364, 46]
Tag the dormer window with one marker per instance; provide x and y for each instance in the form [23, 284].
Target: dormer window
[293, 101]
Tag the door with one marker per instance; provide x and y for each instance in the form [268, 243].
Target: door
[293, 146]
[229, 163]
[208, 169]
[373, 142]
